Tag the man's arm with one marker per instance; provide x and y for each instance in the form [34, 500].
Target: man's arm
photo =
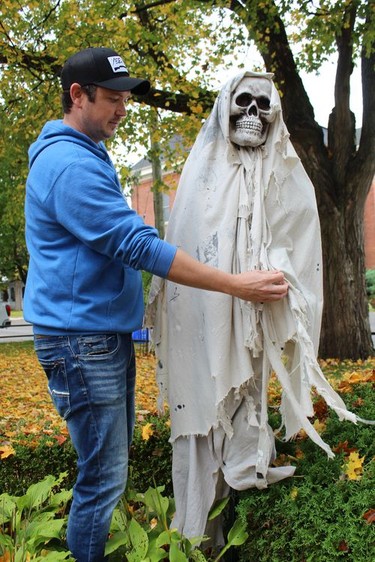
[256, 286]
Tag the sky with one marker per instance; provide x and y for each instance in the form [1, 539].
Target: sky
[320, 89]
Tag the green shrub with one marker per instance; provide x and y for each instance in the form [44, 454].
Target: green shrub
[149, 461]
[370, 286]
[319, 515]
[370, 282]
[31, 464]
[302, 521]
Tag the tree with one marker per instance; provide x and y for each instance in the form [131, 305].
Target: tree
[179, 45]
[157, 176]
[13, 168]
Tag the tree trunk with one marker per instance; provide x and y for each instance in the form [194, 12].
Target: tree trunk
[345, 328]
[156, 188]
[155, 157]
[341, 172]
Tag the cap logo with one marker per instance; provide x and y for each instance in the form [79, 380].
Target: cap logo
[117, 64]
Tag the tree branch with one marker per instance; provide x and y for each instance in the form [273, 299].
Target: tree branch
[176, 102]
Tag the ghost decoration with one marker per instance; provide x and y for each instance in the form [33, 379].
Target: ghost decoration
[244, 202]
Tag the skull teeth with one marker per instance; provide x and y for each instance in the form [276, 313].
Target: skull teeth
[250, 126]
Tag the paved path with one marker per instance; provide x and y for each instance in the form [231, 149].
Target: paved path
[19, 330]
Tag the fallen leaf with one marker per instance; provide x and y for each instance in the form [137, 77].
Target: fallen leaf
[343, 447]
[147, 431]
[27, 412]
[343, 546]
[60, 439]
[319, 426]
[321, 409]
[353, 467]
[6, 451]
[369, 516]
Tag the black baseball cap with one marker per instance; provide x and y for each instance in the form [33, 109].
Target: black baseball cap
[102, 67]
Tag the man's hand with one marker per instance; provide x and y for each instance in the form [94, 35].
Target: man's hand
[261, 286]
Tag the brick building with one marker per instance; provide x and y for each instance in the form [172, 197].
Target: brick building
[142, 199]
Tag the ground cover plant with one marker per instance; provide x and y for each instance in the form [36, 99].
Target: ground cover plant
[326, 512]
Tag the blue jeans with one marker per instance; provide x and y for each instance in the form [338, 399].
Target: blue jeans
[92, 383]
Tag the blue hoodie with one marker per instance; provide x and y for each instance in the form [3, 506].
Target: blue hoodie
[86, 245]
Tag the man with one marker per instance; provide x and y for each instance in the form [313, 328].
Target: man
[84, 291]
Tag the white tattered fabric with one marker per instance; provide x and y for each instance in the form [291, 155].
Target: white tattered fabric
[238, 209]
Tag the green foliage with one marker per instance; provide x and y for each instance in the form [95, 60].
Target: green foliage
[146, 280]
[319, 515]
[32, 525]
[370, 286]
[302, 520]
[141, 531]
[360, 436]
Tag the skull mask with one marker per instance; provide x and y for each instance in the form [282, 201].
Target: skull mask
[251, 112]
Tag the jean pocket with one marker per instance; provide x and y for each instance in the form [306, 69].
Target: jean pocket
[98, 346]
[58, 385]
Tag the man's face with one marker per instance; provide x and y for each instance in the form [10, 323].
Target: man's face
[100, 118]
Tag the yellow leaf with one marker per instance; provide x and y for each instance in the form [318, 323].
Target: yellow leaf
[353, 467]
[319, 426]
[147, 431]
[197, 109]
[294, 493]
[354, 377]
[6, 451]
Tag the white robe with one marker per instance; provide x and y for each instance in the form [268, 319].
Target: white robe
[238, 209]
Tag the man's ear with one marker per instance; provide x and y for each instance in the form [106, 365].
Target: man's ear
[76, 93]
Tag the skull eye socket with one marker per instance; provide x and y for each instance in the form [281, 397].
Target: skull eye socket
[263, 103]
[243, 100]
